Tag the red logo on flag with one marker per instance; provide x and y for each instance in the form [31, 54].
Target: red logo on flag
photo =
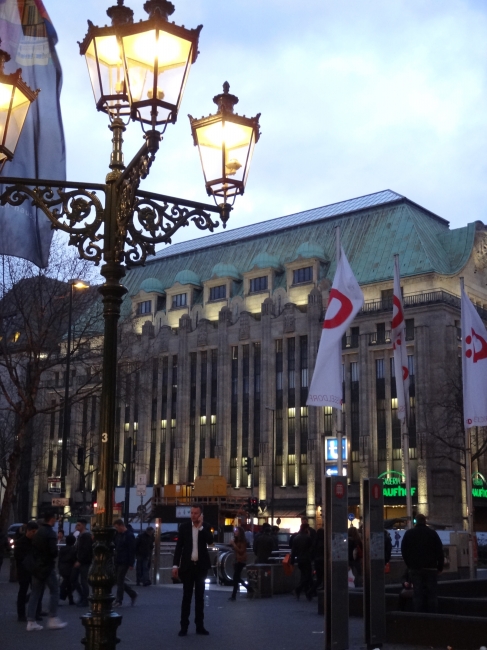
[339, 490]
[479, 353]
[346, 308]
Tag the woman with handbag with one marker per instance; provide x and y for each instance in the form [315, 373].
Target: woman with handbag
[239, 545]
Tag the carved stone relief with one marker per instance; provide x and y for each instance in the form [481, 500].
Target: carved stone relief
[480, 250]
[289, 318]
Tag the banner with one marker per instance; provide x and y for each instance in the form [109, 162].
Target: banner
[29, 37]
[474, 365]
[398, 326]
[346, 299]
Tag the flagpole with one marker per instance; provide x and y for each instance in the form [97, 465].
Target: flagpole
[339, 412]
[468, 482]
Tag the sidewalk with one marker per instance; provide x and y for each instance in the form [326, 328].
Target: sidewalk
[278, 623]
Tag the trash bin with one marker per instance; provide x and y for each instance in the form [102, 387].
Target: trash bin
[259, 577]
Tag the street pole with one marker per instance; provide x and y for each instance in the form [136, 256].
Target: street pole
[468, 484]
[273, 459]
[128, 474]
[339, 412]
[67, 409]
[407, 471]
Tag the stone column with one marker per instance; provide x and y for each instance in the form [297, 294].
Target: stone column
[422, 379]
[181, 451]
[224, 399]
[315, 413]
[268, 393]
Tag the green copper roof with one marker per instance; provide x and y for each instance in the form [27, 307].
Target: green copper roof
[309, 250]
[152, 284]
[265, 260]
[372, 230]
[225, 271]
[186, 276]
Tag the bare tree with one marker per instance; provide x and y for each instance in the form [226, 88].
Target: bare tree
[34, 311]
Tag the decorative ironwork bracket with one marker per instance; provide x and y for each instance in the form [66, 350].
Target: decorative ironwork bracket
[143, 219]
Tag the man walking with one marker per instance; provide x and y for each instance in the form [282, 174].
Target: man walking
[301, 552]
[263, 545]
[44, 550]
[124, 560]
[84, 556]
[422, 551]
[191, 564]
[23, 558]
[143, 553]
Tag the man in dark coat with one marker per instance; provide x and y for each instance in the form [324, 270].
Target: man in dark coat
[263, 545]
[66, 562]
[124, 560]
[23, 557]
[301, 553]
[422, 551]
[143, 553]
[191, 564]
[44, 551]
[84, 556]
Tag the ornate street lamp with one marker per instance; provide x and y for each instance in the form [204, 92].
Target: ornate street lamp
[15, 100]
[226, 142]
[138, 71]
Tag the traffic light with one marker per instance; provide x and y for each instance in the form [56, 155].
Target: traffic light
[248, 465]
[254, 505]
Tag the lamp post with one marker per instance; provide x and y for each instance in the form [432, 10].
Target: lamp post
[138, 72]
[73, 284]
[273, 468]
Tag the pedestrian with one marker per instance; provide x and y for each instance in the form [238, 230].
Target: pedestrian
[263, 545]
[44, 552]
[144, 545]
[355, 555]
[23, 560]
[275, 537]
[422, 552]
[397, 540]
[301, 553]
[84, 556]
[66, 569]
[60, 537]
[124, 560]
[239, 545]
[249, 537]
[191, 565]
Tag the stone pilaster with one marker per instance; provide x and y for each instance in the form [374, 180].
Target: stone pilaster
[181, 451]
[224, 398]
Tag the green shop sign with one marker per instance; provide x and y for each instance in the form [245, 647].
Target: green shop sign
[395, 484]
[479, 486]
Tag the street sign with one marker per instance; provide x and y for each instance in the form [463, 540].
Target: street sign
[142, 479]
[60, 502]
[54, 485]
[141, 490]
[351, 516]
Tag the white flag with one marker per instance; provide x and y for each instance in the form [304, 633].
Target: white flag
[401, 370]
[346, 299]
[474, 365]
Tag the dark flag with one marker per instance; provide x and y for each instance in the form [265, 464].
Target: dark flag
[29, 37]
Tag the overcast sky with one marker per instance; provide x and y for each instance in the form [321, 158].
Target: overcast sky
[356, 96]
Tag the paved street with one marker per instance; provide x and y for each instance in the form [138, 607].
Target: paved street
[279, 623]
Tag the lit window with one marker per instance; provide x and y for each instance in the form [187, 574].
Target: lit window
[144, 307]
[218, 293]
[303, 275]
[258, 284]
[179, 300]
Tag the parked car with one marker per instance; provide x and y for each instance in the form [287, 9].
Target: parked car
[170, 536]
[12, 532]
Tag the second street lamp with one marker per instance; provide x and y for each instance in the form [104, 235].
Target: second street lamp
[118, 225]
[80, 285]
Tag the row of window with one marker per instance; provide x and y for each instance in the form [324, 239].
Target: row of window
[219, 292]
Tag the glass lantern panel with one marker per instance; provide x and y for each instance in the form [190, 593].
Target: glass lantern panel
[20, 107]
[235, 138]
[6, 91]
[171, 54]
[105, 67]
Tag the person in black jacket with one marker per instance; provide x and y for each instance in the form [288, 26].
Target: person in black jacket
[84, 556]
[23, 557]
[301, 553]
[263, 545]
[65, 565]
[44, 551]
[124, 560]
[422, 552]
[191, 564]
[143, 553]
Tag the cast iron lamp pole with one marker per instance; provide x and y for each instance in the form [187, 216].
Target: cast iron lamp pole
[138, 72]
[273, 468]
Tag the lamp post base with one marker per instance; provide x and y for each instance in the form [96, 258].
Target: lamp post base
[101, 622]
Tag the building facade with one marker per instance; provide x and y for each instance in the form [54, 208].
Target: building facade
[222, 334]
